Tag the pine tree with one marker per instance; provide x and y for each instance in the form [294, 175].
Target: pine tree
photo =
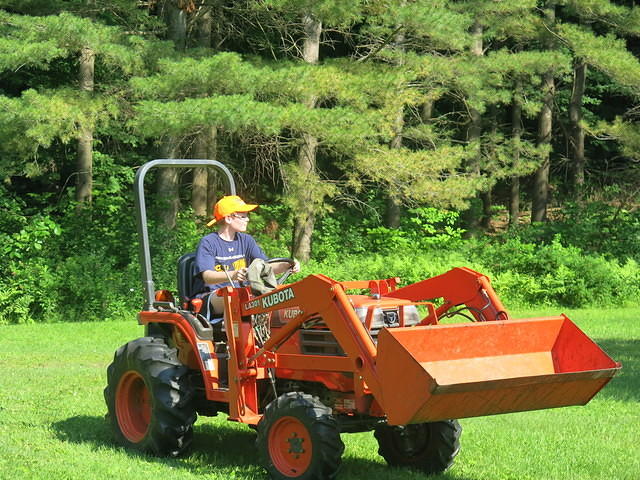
[65, 111]
[607, 54]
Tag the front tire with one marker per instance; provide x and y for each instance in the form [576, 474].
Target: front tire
[299, 438]
[149, 398]
[428, 447]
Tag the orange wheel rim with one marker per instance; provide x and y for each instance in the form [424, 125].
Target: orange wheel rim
[290, 446]
[133, 406]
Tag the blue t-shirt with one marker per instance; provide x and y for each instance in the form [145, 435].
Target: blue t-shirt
[213, 252]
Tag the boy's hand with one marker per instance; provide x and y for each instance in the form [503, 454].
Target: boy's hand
[241, 275]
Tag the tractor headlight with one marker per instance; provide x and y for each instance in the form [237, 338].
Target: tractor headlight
[389, 317]
[411, 315]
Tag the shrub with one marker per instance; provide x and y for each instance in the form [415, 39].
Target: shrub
[421, 228]
[595, 227]
[529, 274]
[524, 275]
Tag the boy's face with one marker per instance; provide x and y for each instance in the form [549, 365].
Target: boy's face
[238, 221]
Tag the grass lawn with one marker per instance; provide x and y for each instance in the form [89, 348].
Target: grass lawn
[52, 422]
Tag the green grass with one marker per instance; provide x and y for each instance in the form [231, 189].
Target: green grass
[52, 422]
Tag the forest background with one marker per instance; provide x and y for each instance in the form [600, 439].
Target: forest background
[381, 137]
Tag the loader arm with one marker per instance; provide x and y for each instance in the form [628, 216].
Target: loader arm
[317, 295]
[459, 286]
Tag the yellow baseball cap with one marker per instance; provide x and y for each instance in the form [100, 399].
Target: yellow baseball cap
[228, 205]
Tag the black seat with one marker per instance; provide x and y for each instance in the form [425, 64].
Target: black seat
[189, 282]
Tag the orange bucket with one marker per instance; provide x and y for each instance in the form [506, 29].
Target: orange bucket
[443, 372]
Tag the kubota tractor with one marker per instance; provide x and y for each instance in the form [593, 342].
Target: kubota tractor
[309, 361]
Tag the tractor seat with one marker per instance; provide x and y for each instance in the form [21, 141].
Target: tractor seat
[189, 282]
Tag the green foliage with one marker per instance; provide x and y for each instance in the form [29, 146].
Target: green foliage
[38, 41]
[422, 228]
[410, 265]
[594, 227]
[352, 231]
[383, 65]
[554, 274]
[606, 53]
[433, 176]
[523, 274]
[36, 120]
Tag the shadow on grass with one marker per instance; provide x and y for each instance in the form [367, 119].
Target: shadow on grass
[221, 446]
[361, 468]
[224, 446]
[626, 385]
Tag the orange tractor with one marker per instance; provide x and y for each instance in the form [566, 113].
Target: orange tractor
[309, 360]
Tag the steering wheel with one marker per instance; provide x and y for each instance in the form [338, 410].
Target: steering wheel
[286, 274]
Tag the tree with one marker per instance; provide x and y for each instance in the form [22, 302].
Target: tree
[35, 44]
[605, 53]
[84, 166]
[540, 193]
[307, 205]
[204, 143]
[516, 137]
[168, 179]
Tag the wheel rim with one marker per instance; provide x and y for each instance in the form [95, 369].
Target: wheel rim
[133, 406]
[290, 446]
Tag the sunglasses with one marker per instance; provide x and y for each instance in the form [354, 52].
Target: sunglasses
[242, 216]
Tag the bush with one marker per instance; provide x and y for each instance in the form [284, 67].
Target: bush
[421, 228]
[83, 264]
[524, 275]
[529, 274]
[596, 227]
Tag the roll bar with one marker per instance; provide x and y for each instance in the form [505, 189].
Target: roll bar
[141, 214]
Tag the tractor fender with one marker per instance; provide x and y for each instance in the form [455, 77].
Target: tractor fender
[198, 335]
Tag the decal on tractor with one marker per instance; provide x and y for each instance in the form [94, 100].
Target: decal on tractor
[205, 355]
[291, 313]
[252, 304]
[278, 297]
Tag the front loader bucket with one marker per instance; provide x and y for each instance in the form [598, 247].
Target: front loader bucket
[443, 372]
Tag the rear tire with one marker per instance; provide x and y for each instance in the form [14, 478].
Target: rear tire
[149, 398]
[428, 447]
[299, 438]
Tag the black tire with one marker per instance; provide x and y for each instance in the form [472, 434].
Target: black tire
[290, 423]
[428, 447]
[149, 398]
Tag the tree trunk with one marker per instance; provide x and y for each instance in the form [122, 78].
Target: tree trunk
[540, 197]
[487, 197]
[394, 212]
[204, 25]
[212, 177]
[577, 131]
[487, 205]
[176, 21]
[474, 130]
[84, 163]
[200, 182]
[167, 187]
[540, 194]
[305, 217]
[516, 134]
[426, 113]
[202, 150]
